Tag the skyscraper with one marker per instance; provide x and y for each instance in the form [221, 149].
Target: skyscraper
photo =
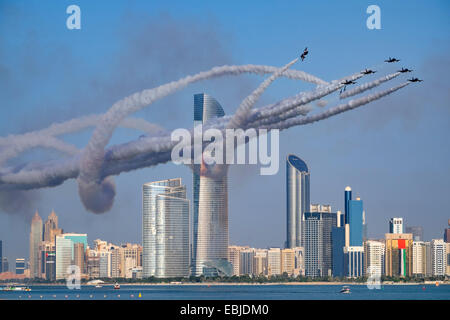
[165, 229]
[297, 199]
[396, 225]
[439, 257]
[64, 256]
[355, 221]
[1, 256]
[313, 244]
[347, 198]
[419, 258]
[374, 255]
[447, 233]
[35, 240]
[210, 205]
[338, 241]
[51, 228]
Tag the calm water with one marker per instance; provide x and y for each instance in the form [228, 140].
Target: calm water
[229, 292]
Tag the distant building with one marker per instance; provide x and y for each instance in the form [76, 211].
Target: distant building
[79, 256]
[396, 225]
[297, 199]
[47, 261]
[64, 256]
[5, 264]
[374, 256]
[419, 258]
[260, 262]
[234, 252]
[356, 219]
[313, 244]
[51, 229]
[273, 261]
[439, 258]
[354, 261]
[399, 254]
[288, 261]
[165, 229]
[338, 242]
[35, 240]
[1, 256]
[447, 233]
[416, 231]
[299, 267]
[246, 261]
[20, 266]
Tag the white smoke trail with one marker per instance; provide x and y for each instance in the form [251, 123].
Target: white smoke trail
[243, 112]
[352, 104]
[367, 86]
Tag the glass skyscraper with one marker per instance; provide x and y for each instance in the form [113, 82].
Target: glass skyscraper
[297, 199]
[313, 244]
[35, 241]
[210, 205]
[355, 214]
[165, 229]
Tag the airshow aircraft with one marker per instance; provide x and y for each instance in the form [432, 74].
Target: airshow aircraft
[368, 71]
[303, 55]
[403, 70]
[415, 80]
[390, 60]
[345, 83]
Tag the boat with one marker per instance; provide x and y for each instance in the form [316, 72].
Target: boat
[13, 288]
[345, 289]
[98, 286]
[116, 286]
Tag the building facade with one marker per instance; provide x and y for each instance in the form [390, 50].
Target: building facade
[439, 258]
[374, 256]
[35, 240]
[399, 254]
[297, 199]
[396, 225]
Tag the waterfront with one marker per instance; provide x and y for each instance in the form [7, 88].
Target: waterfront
[231, 292]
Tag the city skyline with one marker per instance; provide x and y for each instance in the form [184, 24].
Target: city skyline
[370, 149]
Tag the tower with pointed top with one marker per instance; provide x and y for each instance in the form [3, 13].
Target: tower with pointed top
[51, 229]
[35, 240]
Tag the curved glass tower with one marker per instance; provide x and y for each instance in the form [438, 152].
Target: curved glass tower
[297, 198]
[210, 214]
[165, 229]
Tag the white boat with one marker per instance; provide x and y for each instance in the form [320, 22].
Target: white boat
[116, 286]
[345, 289]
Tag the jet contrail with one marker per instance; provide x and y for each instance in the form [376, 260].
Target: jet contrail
[243, 111]
[352, 104]
[367, 86]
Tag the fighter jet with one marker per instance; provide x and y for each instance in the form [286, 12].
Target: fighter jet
[415, 80]
[368, 71]
[403, 70]
[345, 83]
[303, 55]
[390, 60]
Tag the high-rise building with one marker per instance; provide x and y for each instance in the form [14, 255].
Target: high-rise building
[398, 254]
[329, 220]
[447, 233]
[131, 255]
[428, 259]
[447, 244]
[354, 261]
[5, 264]
[64, 256]
[210, 204]
[355, 222]
[20, 266]
[347, 198]
[299, 266]
[419, 258]
[165, 229]
[246, 261]
[116, 261]
[297, 199]
[338, 244]
[396, 225]
[1, 256]
[234, 254]
[51, 229]
[439, 257]
[35, 240]
[79, 256]
[374, 257]
[273, 261]
[416, 231]
[313, 244]
[47, 260]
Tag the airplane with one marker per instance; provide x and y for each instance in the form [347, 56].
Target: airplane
[403, 70]
[415, 80]
[368, 71]
[346, 82]
[390, 60]
[303, 55]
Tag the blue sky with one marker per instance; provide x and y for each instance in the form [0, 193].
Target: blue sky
[393, 153]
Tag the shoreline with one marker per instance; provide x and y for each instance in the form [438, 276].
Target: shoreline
[236, 284]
